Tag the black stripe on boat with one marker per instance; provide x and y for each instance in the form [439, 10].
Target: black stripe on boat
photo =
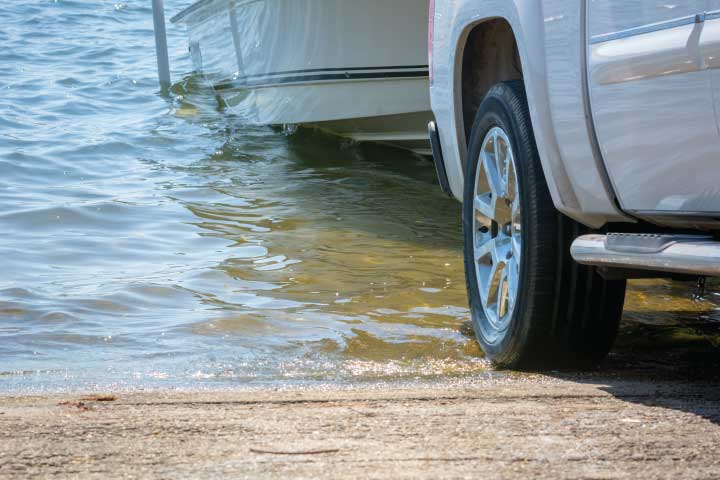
[339, 69]
[275, 78]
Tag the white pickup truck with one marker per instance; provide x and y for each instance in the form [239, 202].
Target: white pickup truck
[588, 133]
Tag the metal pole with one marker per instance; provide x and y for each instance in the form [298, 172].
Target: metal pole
[161, 49]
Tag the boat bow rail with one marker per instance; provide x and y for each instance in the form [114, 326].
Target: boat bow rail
[161, 50]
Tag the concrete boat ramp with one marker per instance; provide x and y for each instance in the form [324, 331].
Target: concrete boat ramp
[643, 424]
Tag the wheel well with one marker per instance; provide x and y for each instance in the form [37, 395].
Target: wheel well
[490, 56]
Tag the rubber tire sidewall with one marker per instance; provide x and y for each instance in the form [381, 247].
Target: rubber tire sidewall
[496, 111]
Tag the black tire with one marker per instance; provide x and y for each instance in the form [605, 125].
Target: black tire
[566, 315]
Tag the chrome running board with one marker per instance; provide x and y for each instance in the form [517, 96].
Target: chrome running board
[680, 254]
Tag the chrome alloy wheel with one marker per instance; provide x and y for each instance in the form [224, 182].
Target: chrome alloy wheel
[497, 232]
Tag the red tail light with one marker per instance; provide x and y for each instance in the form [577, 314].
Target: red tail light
[431, 33]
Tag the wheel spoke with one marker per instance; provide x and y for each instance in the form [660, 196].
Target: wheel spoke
[484, 210]
[502, 249]
[497, 229]
[513, 279]
[492, 175]
[511, 181]
[516, 227]
[502, 303]
[501, 158]
[515, 246]
[488, 291]
[515, 206]
[485, 250]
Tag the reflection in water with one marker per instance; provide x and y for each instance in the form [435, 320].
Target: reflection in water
[666, 323]
[351, 254]
[147, 244]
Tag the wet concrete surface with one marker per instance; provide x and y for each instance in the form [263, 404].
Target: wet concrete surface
[651, 411]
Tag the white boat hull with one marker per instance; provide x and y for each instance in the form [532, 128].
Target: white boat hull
[354, 68]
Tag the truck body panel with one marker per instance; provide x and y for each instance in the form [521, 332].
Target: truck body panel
[652, 101]
[609, 149]
[549, 38]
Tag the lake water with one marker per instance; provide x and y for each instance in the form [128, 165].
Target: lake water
[157, 242]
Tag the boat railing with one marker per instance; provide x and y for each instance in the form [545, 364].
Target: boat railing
[161, 49]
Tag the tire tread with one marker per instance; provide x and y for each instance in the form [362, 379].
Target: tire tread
[570, 314]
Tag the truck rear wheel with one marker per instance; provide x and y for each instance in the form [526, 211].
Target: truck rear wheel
[532, 306]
